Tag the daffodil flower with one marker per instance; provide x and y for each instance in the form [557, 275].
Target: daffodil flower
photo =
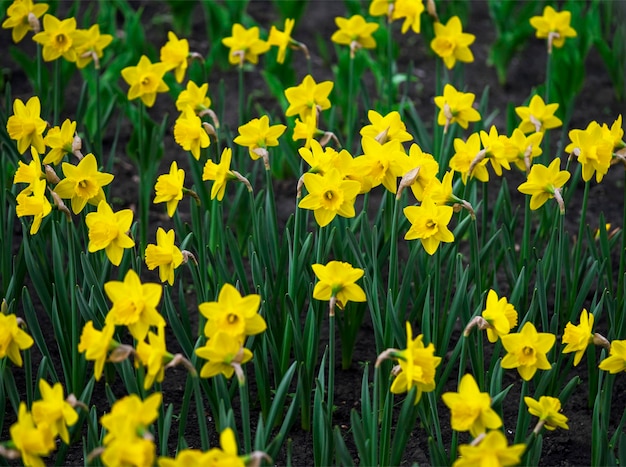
[31, 440]
[466, 152]
[190, 134]
[13, 338]
[410, 11]
[385, 128]
[145, 80]
[451, 43]
[174, 54]
[26, 126]
[429, 224]
[245, 45]
[52, 409]
[18, 17]
[337, 280]
[194, 96]
[33, 202]
[169, 188]
[554, 26]
[544, 183]
[594, 150]
[165, 255]
[60, 140]
[548, 409]
[58, 38]
[282, 39]
[490, 449]
[354, 32]
[225, 354]
[526, 350]
[500, 315]
[108, 231]
[456, 107]
[308, 97]
[91, 45]
[538, 116]
[96, 345]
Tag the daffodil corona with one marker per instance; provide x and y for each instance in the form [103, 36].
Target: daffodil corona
[429, 224]
[527, 350]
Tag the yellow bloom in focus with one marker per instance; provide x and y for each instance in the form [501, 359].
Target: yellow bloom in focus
[60, 141]
[30, 174]
[153, 356]
[429, 224]
[354, 32]
[281, 39]
[13, 339]
[493, 450]
[169, 188]
[451, 43]
[525, 148]
[411, 11]
[34, 203]
[223, 352]
[418, 364]
[134, 304]
[441, 191]
[233, 314]
[548, 410]
[456, 107]
[258, 134]
[194, 97]
[53, 410]
[31, 441]
[245, 45]
[219, 174]
[323, 159]
[594, 150]
[543, 182]
[96, 344]
[26, 126]
[471, 409]
[616, 361]
[428, 170]
[501, 316]
[190, 134]
[338, 279]
[306, 129]
[108, 231]
[83, 183]
[554, 26]
[495, 150]
[307, 97]
[174, 54]
[387, 128]
[58, 38]
[91, 46]
[329, 195]
[527, 350]
[382, 163]
[145, 80]
[538, 116]
[18, 17]
[464, 153]
[165, 255]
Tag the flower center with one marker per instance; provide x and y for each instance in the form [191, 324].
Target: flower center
[232, 318]
[527, 356]
[444, 46]
[86, 188]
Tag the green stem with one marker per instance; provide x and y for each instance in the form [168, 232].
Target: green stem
[526, 233]
[581, 231]
[558, 284]
[242, 98]
[485, 210]
[39, 70]
[350, 106]
[622, 256]
[77, 385]
[331, 363]
[57, 92]
[455, 434]
[389, 66]
[522, 418]
[270, 212]
[245, 415]
[144, 193]
[475, 259]
[98, 134]
[392, 285]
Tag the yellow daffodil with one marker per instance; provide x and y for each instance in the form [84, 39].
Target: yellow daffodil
[527, 350]
[501, 316]
[538, 116]
[190, 134]
[18, 17]
[187, 458]
[381, 7]
[174, 54]
[131, 450]
[471, 409]
[548, 409]
[233, 314]
[83, 183]
[169, 188]
[134, 304]
[307, 97]
[245, 45]
[306, 129]
[194, 96]
[495, 151]
[411, 11]
[32, 441]
[145, 80]
[578, 337]
[26, 126]
[226, 454]
[554, 26]
[440, 192]
[493, 450]
[91, 46]
[257, 135]
[354, 32]
[29, 173]
[323, 159]
[418, 365]
[615, 133]
[96, 345]
[465, 152]
[34, 203]
[225, 354]
[544, 183]
[329, 195]
[382, 163]
[165, 255]
[58, 38]
[593, 149]
[456, 107]
[426, 167]
[525, 148]
[616, 361]
[451, 43]
[153, 355]
[338, 279]
[219, 174]
[429, 224]
[52, 409]
[281, 39]
[13, 339]
[108, 231]
[387, 128]
[60, 140]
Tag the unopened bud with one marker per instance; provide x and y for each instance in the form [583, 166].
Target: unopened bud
[479, 157]
[51, 176]
[187, 255]
[60, 205]
[407, 180]
[476, 322]
[34, 23]
[382, 136]
[77, 145]
[559, 200]
[385, 355]
[432, 10]
[254, 458]
[210, 129]
[328, 135]
[242, 179]
[121, 353]
[601, 341]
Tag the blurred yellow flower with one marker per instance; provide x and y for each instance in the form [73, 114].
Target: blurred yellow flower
[525, 148]
[169, 188]
[456, 107]
[554, 26]
[428, 170]
[189, 132]
[108, 231]
[32, 441]
[308, 97]
[281, 39]
[165, 255]
[338, 279]
[594, 150]
[225, 354]
[219, 174]
[465, 152]
[153, 356]
[26, 126]
[354, 32]
[543, 182]
[451, 43]
[145, 80]
[306, 129]
[548, 410]
[245, 45]
[429, 224]
[492, 450]
[174, 54]
[381, 7]
[411, 11]
[96, 344]
[616, 361]
[471, 409]
[13, 339]
[33, 202]
[91, 45]
[58, 38]
[257, 135]
[495, 151]
[18, 19]
[527, 350]
[60, 140]
[30, 174]
[226, 454]
[53, 410]
[194, 97]
[501, 316]
[538, 116]
[187, 458]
